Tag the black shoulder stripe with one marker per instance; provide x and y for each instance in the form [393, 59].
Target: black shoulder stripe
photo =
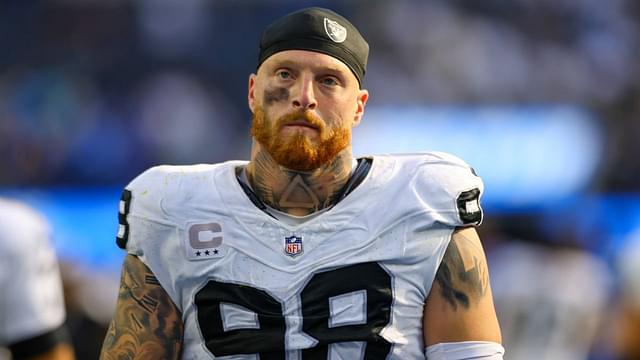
[469, 209]
[39, 344]
[123, 223]
[359, 174]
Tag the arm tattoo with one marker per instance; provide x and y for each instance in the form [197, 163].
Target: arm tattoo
[147, 324]
[463, 275]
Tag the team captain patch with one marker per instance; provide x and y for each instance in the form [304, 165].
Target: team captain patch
[204, 241]
[469, 207]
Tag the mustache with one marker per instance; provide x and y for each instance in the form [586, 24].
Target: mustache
[298, 116]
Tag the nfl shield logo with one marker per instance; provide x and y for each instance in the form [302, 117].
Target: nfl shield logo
[293, 245]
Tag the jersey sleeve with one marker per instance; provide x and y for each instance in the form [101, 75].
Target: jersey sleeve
[450, 188]
[152, 212]
[140, 207]
[32, 302]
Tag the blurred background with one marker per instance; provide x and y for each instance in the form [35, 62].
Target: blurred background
[541, 97]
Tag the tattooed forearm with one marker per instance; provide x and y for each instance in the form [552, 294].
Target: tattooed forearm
[146, 325]
[296, 192]
[463, 276]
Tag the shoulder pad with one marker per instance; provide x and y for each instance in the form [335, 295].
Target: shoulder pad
[451, 187]
[143, 198]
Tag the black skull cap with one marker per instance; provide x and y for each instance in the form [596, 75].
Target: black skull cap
[320, 30]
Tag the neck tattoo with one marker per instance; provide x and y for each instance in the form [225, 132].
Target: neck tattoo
[296, 192]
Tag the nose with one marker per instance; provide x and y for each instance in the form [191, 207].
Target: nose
[304, 98]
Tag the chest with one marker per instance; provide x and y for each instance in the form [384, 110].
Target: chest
[271, 289]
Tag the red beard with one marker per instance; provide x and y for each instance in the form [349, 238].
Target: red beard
[297, 152]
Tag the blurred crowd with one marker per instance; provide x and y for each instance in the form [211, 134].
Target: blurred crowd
[94, 92]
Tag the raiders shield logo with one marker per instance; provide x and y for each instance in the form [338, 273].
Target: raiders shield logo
[335, 31]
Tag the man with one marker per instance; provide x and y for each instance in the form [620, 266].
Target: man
[31, 302]
[304, 252]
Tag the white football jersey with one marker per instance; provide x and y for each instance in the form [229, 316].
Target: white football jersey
[31, 301]
[349, 284]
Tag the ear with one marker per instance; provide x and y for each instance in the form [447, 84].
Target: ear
[251, 92]
[361, 100]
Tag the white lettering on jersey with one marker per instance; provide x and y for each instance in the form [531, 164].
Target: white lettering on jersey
[348, 309]
[473, 206]
[238, 317]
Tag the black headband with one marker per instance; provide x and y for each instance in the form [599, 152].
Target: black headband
[320, 30]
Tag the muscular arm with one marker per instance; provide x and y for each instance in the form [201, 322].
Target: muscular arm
[147, 324]
[460, 305]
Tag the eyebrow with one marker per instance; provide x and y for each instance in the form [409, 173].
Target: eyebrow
[297, 64]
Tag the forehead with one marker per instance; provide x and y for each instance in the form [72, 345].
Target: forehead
[305, 59]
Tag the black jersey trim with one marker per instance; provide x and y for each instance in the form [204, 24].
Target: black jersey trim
[123, 238]
[359, 174]
[39, 344]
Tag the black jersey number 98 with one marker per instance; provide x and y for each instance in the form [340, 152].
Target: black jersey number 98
[269, 339]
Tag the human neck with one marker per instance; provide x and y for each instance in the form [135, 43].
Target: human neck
[294, 192]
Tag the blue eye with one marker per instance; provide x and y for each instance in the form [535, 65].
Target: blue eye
[283, 74]
[329, 81]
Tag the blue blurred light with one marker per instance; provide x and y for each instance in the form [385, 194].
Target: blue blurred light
[84, 222]
[527, 156]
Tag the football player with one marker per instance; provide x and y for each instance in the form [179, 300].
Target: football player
[305, 252]
[32, 309]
